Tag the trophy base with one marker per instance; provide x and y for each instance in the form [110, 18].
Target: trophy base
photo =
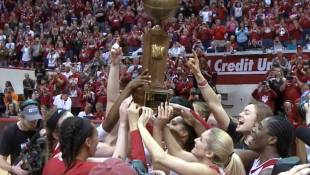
[154, 97]
[151, 97]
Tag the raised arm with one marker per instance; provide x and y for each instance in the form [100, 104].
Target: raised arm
[137, 148]
[191, 118]
[113, 115]
[113, 89]
[208, 94]
[164, 113]
[122, 140]
[160, 156]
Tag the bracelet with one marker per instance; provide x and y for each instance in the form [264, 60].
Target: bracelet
[203, 83]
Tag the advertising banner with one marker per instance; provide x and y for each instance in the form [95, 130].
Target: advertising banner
[242, 69]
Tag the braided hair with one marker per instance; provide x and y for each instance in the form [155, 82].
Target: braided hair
[284, 131]
[73, 133]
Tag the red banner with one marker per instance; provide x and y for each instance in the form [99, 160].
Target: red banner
[242, 69]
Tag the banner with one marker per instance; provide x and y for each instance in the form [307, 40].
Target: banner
[242, 69]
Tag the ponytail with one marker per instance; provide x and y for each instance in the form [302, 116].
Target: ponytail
[234, 166]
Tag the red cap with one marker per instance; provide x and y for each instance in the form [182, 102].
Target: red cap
[113, 166]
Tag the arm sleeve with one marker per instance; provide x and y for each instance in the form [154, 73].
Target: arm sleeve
[197, 117]
[137, 149]
[6, 142]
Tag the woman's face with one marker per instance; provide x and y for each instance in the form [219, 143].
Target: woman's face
[177, 127]
[259, 136]
[201, 145]
[247, 119]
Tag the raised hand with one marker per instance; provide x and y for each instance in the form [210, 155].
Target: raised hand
[163, 115]
[142, 79]
[123, 109]
[147, 113]
[116, 53]
[133, 111]
[185, 113]
[193, 64]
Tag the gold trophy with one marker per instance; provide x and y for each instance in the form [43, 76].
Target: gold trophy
[155, 53]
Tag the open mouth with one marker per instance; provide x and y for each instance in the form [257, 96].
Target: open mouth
[240, 122]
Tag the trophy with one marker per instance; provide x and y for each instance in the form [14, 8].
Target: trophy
[155, 54]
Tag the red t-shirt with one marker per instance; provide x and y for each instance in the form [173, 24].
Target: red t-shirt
[266, 96]
[219, 33]
[185, 41]
[295, 33]
[205, 34]
[255, 35]
[54, 166]
[305, 22]
[291, 92]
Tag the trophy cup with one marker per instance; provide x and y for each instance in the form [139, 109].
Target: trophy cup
[155, 54]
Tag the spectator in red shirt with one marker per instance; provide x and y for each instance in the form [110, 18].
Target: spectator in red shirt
[304, 21]
[296, 32]
[263, 93]
[268, 35]
[291, 88]
[134, 39]
[204, 34]
[219, 35]
[283, 32]
[255, 36]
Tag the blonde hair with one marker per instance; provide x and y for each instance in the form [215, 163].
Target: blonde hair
[222, 147]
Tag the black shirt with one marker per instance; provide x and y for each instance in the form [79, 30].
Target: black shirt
[12, 139]
[236, 136]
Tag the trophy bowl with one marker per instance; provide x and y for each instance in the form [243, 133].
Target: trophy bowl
[160, 10]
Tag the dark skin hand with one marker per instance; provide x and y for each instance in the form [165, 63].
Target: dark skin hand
[113, 115]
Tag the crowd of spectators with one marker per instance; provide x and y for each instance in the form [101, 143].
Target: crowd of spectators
[286, 88]
[53, 32]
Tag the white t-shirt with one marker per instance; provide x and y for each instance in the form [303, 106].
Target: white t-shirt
[134, 70]
[206, 16]
[83, 114]
[10, 45]
[61, 104]
[2, 38]
[67, 74]
[238, 12]
[26, 54]
[52, 59]
[176, 51]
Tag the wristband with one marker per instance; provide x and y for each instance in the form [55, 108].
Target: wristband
[203, 83]
[101, 133]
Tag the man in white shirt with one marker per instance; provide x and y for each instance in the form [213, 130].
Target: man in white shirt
[135, 69]
[26, 56]
[67, 72]
[63, 101]
[87, 111]
[206, 15]
[176, 50]
[52, 58]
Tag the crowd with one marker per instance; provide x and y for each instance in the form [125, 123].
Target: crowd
[73, 46]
